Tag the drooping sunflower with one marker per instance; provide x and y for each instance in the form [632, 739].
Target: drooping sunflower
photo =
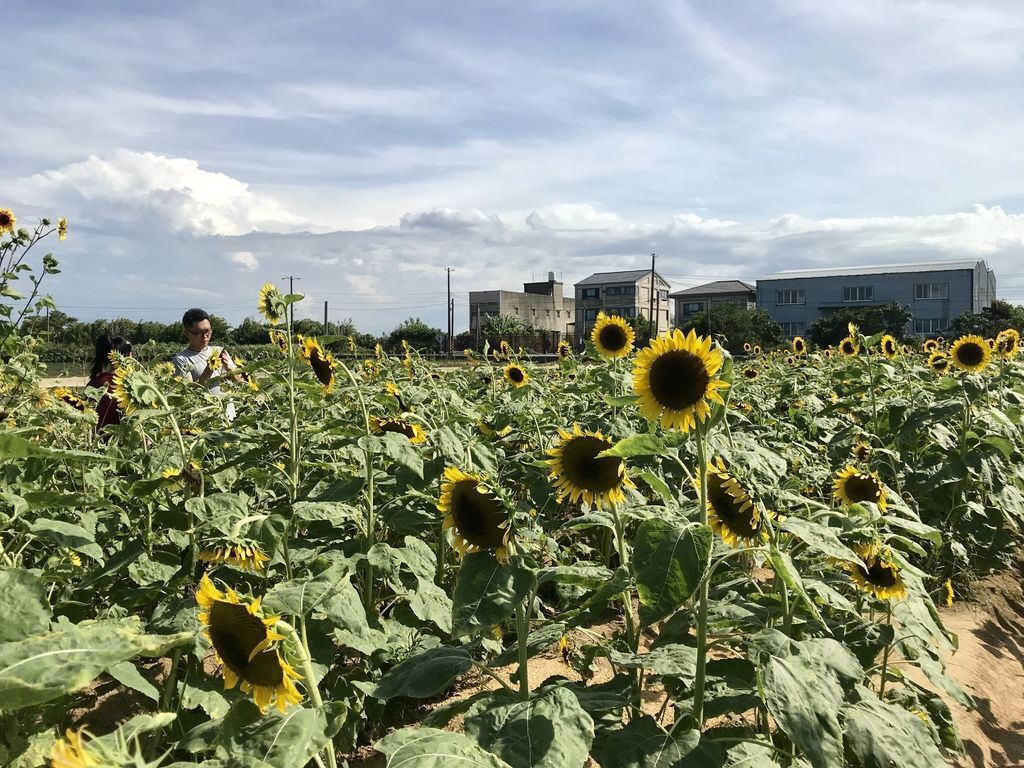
[129, 389]
[849, 346]
[861, 450]
[612, 336]
[790, 360]
[852, 486]
[930, 346]
[504, 350]
[7, 220]
[68, 397]
[1008, 342]
[271, 303]
[411, 430]
[321, 362]
[579, 473]
[516, 375]
[750, 374]
[938, 361]
[246, 643]
[675, 378]
[890, 348]
[877, 573]
[62, 228]
[757, 350]
[473, 514]
[970, 353]
[732, 513]
[248, 557]
[564, 350]
[799, 346]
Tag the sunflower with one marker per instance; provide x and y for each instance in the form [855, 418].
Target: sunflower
[248, 557]
[757, 350]
[849, 346]
[930, 346]
[861, 450]
[62, 228]
[889, 346]
[127, 390]
[280, 340]
[674, 377]
[947, 589]
[73, 752]
[799, 346]
[491, 431]
[612, 336]
[564, 350]
[746, 346]
[321, 362]
[732, 513]
[7, 220]
[1008, 342]
[877, 573]
[938, 361]
[213, 362]
[351, 345]
[516, 376]
[750, 374]
[853, 486]
[412, 431]
[473, 514]
[68, 397]
[504, 350]
[271, 303]
[970, 353]
[790, 360]
[579, 473]
[243, 640]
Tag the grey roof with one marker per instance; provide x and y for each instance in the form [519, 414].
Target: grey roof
[878, 269]
[718, 286]
[629, 276]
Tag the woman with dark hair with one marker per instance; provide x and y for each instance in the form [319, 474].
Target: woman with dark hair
[102, 377]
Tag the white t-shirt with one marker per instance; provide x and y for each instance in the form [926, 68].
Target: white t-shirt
[191, 365]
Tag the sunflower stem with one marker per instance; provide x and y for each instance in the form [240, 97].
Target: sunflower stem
[307, 669]
[702, 604]
[522, 636]
[885, 653]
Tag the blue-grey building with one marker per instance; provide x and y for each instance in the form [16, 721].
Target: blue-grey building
[935, 292]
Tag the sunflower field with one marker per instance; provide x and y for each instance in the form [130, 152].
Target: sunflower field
[731, 562]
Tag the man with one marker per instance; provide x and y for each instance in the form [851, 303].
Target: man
[192, 363]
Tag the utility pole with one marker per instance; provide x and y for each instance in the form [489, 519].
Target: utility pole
[448, 306]
[451, 328]
[651, 322]
[291, 289]
[478, 326]
[325, 318]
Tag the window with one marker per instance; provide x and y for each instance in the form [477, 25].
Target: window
[663, 295]
[629, 290]
[790, 297]
[792, 329]
[931, 291]
[591, 293]
[613, 291]
[693, 307]
[590, 314]
[928, 325]
[629, 311]
[858, 293]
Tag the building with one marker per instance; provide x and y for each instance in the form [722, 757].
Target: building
[627, 294]
[540, 306]
[693, 301]
[935, 292]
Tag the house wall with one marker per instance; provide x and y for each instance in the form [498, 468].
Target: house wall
[615, 297]
[693, 304]
[549, 312]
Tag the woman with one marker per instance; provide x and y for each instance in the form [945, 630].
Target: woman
[102, 377]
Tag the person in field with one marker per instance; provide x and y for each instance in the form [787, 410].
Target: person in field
[101, 376]
[194, 362]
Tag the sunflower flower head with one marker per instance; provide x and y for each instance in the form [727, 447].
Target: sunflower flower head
[732, 513]
[134, 390]
[889, 347]
[1008, 342]
[473, 514]
[612, 336]
[853, 486]
[849, 346]
[248, 646]
[877, 573]
[321, 362]
[7, 220]
[564, 350]
[581, 475]
[970, 353]
[938, 361]
[410, 429]
[271, 303]
[516, 375]
[676, 377]
[929, 346]
[947, 589]
[750, 374]
[861, 450]
[799, 346]
[68, 397]
[757, 350]
[62, 228]
[246, 556]
[75, 750]
[746, 346]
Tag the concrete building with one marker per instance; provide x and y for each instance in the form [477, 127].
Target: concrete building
[540, 305]
[935, 292]
[693, 301]
[627, 294]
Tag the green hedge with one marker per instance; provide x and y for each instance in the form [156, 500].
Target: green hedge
[150, 352]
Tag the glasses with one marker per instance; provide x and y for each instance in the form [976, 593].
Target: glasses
[200, 332]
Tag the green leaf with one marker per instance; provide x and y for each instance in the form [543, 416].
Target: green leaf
[642, 444]
[283, 740]
[880, 735]
[587, 576]
[669, 561]
[487, 591]
[819, 538]
[642, 743]
[301, 597]
[674, 660]
[784, 569]
[128, 675]
[23, 603]
[551, 730]
[433, 748]
[656, 484]
[41, 668]
[14, 447]
[68, 535]
[426, 674]
[396, 447]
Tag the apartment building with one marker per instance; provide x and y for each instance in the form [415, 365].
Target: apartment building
[540, 305]
[628, 294]
[693, 301]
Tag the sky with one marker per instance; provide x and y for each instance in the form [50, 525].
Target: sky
[201, 149]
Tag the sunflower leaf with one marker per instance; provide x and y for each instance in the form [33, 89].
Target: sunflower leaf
[819, 538]
[424, 675]
[24, 605]
[881, 735]
[487, 591]
[643, 444]
[433, 748]
[642, 743]
[669, 561]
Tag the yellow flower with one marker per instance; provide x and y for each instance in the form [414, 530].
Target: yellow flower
[948, 589]
[516, 376]
[877, 573]
[1008, 342]
[72, 752]
[849, 346]
[750, 374]
[213, 362]
[246, 644]
[889, 346]
[799, 346]
[68, 397]
[564, 648]
[412, 431]
[248, 557]
[321, 362]
[473, 514]
[271, 303]
[732, 513]
[7, 220]
[746, 346]
[970, 353]
[564, 350]
[853, 486]
[612, 336]
[757, 350]
[62, 228]
[675, 378]
[931, 345]
[280, 340]
[579, 473]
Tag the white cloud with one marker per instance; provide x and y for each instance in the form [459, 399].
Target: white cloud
[245, 260]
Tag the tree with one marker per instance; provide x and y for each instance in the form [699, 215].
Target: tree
[416, 333]
[989, 322]
[503, 326]
[733, 326]
[250, 332]
[891, 318]
[641, 329]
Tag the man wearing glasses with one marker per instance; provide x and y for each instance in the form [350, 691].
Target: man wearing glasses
[192, 363]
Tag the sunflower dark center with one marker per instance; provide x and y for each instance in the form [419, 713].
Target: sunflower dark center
[515, 374]
[847, 347]
[799, 346]
[477, 516]
[890, 347]
[401, 427]
[583, 470]
[613, 337]
[880, 573]
[235, 632]
[970, 353]
[5, 220]
[862, 488]
[321, 367]
[750, 373]
[678, 379]
[729, 509]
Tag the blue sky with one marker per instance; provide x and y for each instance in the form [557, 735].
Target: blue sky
[200, 149]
